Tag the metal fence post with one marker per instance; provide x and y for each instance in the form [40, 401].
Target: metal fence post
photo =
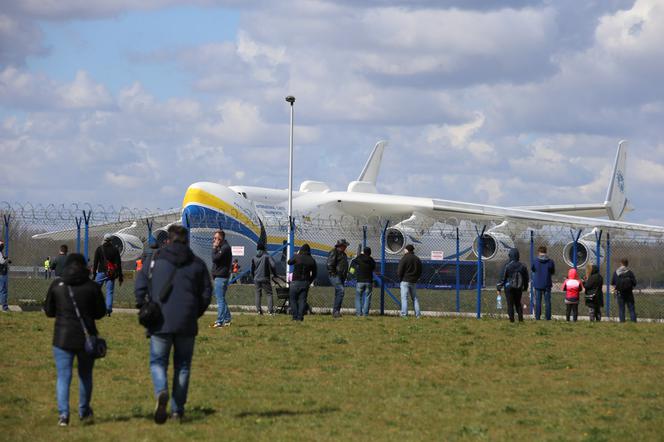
[6, 218]
[480, 240]
[458, 275]
[575, 249]
[598, 250]
[382, 267]
[364, 237]
[86, 241]
[291, 248]
[78, 220]
[608, 275]
[149, 223]
[532, 263]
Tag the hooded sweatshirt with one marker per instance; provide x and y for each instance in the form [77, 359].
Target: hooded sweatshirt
[624, 272]
[514, 265]
[304, 265]
[543, 268]
[68, 332]
[262, 267]
[593, 285]
[572, 287]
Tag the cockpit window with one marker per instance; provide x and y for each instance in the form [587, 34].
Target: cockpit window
[243, 194]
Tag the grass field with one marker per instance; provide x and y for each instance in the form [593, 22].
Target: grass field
[266, 378]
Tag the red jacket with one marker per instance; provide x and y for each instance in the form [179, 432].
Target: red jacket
[572, 287]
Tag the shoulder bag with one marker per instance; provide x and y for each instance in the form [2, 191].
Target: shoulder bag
[95, 346]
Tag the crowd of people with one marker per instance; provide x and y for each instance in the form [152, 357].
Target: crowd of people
[174, 287]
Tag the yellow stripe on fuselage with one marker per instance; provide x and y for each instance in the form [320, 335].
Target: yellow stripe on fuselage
[203, 198]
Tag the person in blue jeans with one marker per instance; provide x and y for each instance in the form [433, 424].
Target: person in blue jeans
[180, 285]
[623, 282]
[107, 268]
[68, 335]
[543, 268]
[4, 270]
[337, 269]
[222, 258]
[364, 268]
[409, 272]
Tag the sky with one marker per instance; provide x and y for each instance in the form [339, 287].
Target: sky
[514, 102]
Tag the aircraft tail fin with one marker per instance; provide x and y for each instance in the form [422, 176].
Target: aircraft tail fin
[372, 167]
[616, 198]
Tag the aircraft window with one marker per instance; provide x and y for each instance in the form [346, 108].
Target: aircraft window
[243, 194]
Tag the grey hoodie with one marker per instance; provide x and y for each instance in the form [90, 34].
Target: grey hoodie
[262, 267]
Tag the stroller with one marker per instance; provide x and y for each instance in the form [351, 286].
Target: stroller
[283, 295]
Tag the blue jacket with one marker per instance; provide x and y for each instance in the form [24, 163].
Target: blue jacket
[190, 294]
[543, 268]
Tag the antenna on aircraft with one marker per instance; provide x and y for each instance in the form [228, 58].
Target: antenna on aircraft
[290, 99]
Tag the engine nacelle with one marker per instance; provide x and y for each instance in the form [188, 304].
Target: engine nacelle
[495, 245]
[395, 241]
[129, 246]
[586, 251]
[161, 235]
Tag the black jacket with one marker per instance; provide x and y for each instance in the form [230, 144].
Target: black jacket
[190, 293]
[337, 264]
[304, 267]
[58, 264]
[221, 261]
[514, 266]
[111, 253]
[593, 285]
[624, 272]
[68, 332]
[410, 268]
[365, 268]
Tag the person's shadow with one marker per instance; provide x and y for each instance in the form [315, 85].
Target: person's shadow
[192, 414]
[285, 412]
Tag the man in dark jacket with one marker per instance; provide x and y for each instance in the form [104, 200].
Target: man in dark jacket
[189, 296]
[515, 280]
[304, 274]
[594, 295]
[409, 272]
[365, 267]
[543, 269]
[58, 263]
[4, 270]
[262, 269]
[221, 272]
[623, 282]
[337, 269]
[106, 268]
[68, 335]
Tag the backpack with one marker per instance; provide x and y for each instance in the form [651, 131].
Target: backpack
[111, 267]
[624, 283]
[515, 281]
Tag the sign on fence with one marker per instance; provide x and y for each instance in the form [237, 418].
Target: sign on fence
[436, 255]
[237, 250]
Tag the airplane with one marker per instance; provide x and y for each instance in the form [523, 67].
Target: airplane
[250, 215]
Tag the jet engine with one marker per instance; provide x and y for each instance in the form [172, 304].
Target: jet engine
[129, 246]
[585, 250]
[395, 240]
[495, 245]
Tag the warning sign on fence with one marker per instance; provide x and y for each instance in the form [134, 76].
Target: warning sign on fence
[237, 250]
[436, 255]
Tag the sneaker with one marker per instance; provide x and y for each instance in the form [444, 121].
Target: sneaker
[63, 421]
[336, 314]
[160, 414]
[216, 325]
[177, 417]
[88, 418]
[108, 313]
[226, 324]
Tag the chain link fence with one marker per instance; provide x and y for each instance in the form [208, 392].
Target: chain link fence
[454, 281]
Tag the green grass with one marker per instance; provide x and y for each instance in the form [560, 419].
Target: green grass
[266, 378]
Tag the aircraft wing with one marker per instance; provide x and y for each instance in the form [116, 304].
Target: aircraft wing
[400, 207]
[99, 227]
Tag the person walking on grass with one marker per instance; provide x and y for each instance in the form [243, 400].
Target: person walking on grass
[365, 267]
[68, 334]
[409, 272]
[221, 272]
[515, 280]
[572, 287]
[337, 269]
[594, 296]
[179, 282]
[107, 268]
[304, 273]
[262, 270]
[58, 263]
[543, 269]
[623, 282]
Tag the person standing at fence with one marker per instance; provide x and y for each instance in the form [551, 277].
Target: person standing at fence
[594, 296]
[337, 269]
[68, 334]
[515, 280]
[262, 269]
[58, 263]
[47, 267]
[543, 269]
[366, 266]
[623, 282]
[572, 287]
[221, 272]
[179, 282]
[107, 267]
[304, 273]
[4, 271]
[409, 272]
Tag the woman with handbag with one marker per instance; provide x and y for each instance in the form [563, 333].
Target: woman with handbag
[75, 301]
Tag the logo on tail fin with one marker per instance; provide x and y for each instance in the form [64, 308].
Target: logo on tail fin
[621, 181]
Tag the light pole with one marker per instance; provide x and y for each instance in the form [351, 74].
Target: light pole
[289, 253]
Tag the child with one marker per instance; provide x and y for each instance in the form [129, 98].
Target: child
[572, 287]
